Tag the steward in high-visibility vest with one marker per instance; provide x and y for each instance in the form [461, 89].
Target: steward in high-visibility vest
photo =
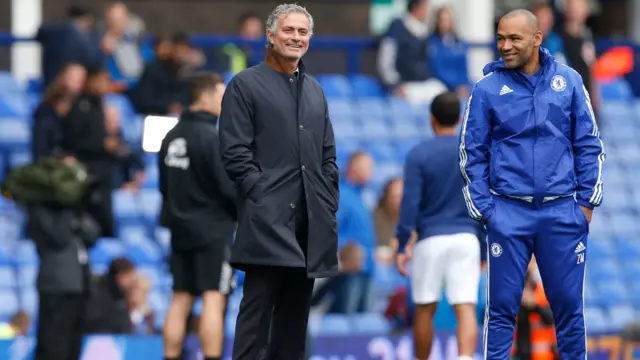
[535, 337]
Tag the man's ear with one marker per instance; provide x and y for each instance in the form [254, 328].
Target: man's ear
[538, 37]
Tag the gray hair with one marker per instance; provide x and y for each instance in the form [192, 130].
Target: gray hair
[283, 10]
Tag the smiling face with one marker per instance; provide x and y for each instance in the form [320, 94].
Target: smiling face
[518, 40]
[290, 38]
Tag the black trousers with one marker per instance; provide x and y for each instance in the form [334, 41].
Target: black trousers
[60, 326]
[273, 316]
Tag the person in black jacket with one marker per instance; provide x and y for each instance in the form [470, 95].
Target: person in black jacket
[107, 311]
[199, 209]
[278, 147]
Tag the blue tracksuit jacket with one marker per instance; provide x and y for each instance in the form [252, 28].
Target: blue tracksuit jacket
[528, 148]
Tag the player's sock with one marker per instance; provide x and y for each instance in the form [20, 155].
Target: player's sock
[212, 358]
[465, 358]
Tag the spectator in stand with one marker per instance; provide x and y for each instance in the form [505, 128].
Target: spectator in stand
[448, 54]
[129, 163]
[57, 101]
[385, 217]
[356, 224]
[552, 40]
[107, 312]
[85, 137]
[69, 42]
[125, 52]
[140, 311]
[409, 75]
[578, 45]
[237, 58]
[163, 87]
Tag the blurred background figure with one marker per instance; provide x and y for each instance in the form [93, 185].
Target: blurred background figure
[17, 326]
[535, 337]
[403, 59]
[386, 217]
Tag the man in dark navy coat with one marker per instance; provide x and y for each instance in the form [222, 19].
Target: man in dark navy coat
[278, 147]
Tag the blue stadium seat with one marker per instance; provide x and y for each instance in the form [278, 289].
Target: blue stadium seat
[151, 203]
[10, 304]
[624, 224]
[603, 270]
[333, 324]
[628, 249]
[122, 103]
[406, 129]
[26, 253]
[375, 127]
[124, 204]
[340, 108]
[370, 323]
[596, 319]
[401, 108]
[29, 301]
[132, 129]
[14, 133]
[371, 107]
[159, 301]
[144, 251]
[7, 277]
[382, 151]
[18, 158]
[366, 86]
[35, 85]
[615, 90]
[163, 237]
[631, 269]
[621, 315]
[345, 129]
[27, 275]
[9, 84]
[601, 249]
[106, 250]
[335, 85]
[614, 291]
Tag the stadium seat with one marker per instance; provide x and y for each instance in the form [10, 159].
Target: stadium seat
[335, 85]
[375, 127]
[333, 324]
[14, 133]
[402, 109]
[366, 108]
[154, 274]
[621, 315]
[18, 158]
[382, 151]
[27, 276]
[370, 323]
[365, 86]
[144, 251]
[340, 108]
[603, 270]
[345, 129]
[8, 277]
[26, 253]
[615, 90]
[10, 303]
[125, 204]
[596, 319]
[151, 203]
[29, 301]
[106, 250]
[8, 84]
[122, 103]
[601, 249]
[615, 292]
[628, 249]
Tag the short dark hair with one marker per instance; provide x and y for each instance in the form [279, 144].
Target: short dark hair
[120, 265]
[180, 38]
[244, 17]
[202, 82]
[445, 108]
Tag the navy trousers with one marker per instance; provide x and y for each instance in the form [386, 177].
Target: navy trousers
[556, 233]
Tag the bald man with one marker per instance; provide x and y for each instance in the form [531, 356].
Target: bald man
[532, 159]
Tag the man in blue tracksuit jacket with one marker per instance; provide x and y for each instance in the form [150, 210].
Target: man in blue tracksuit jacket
[532, 159]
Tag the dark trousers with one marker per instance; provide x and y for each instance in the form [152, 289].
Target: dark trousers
[60, 322]
[273, 316]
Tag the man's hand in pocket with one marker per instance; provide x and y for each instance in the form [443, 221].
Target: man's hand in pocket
[588, 213]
